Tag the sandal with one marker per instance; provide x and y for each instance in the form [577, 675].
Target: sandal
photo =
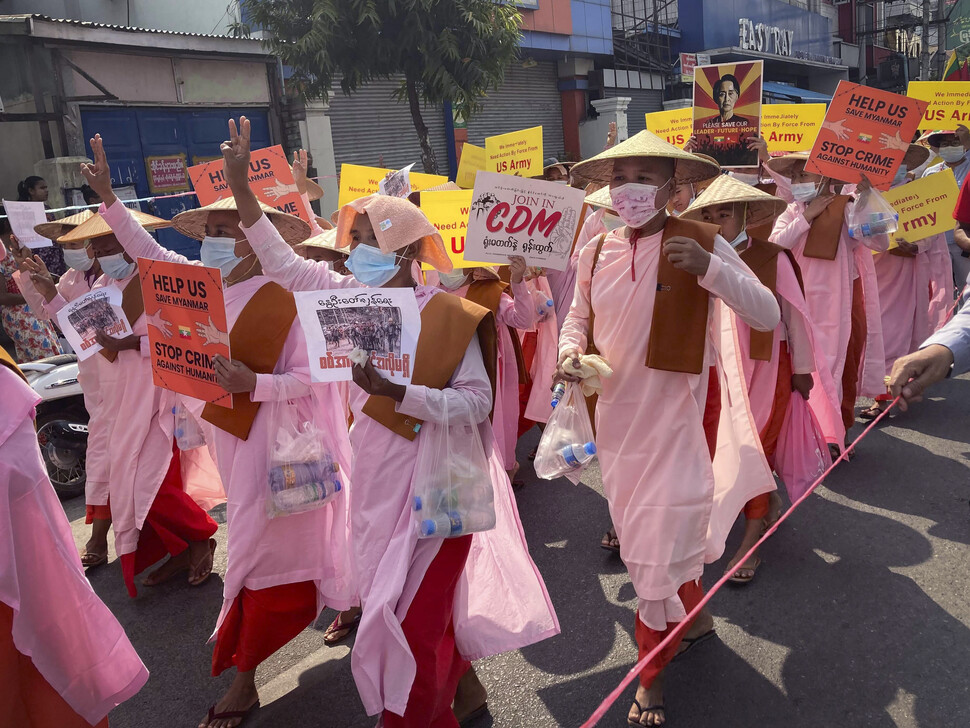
[608, 538]
[347, 628]
[89, 560]
[473, 716]
[692, 642]
[230, 714]
[203, 578]
[737, 579]
[871, 413]
[649, 709]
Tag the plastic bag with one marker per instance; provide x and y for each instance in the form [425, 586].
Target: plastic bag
[870, 215]
[802, 454]
[453, 486]
[188, 434]
[302, 472]
[567, 445]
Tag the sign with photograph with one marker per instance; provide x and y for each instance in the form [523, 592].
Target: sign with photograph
[23, 216]
[97, 310]
[866, 131]
[518, 153]
[186, 315]
[383, 323]
[528, 217]
[167, 173]
[727, 111]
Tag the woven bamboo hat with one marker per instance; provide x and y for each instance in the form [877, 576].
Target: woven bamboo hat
[725, 190]
[326, 240]
[56, 229]
[783, 165]
[191, 223]
[600, 198]
[313, 190]
[96, 226]
[397, 223]
[689, 167]
[915, 156]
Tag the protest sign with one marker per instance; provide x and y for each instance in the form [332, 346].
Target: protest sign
[947, 103]
[357, 181]
[472, 162]
[269, 176]
[527, 217]
[97, 310]
[727, 111]
[384, 322]
[167, 173]
[518, 153]
[23, 216]
[187, 327]
[675, 127]
[791, 127]
[396, 184]
[866, 132]
[925, 206]
[448, 211]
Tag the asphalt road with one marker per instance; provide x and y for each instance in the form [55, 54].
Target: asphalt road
[859, 616]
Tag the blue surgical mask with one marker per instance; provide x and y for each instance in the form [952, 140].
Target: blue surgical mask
[952, 155]
[742, 237]
[220, 253]
[372, 267]
[115, 266]
[900, 175]
[78, 259]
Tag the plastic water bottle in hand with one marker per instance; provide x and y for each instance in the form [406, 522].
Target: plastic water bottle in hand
[878, 224]
[188, 434]
[558, 392]
[577, 455]
[545, 308]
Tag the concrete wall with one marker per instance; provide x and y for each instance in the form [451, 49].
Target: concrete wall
[189, 16]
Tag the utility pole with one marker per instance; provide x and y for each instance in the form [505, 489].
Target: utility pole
[924, 61]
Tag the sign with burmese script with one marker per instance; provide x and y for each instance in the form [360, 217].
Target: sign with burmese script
[85, 316]
[866, 132]
[186, 316]
[356, 324]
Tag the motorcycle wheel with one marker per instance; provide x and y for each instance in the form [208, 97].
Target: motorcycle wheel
[65, 466]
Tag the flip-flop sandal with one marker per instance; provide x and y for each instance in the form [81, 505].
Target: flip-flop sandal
[89, 561]
[192, 567]
[692, 642]
[334, 627]
[648, 709]
[606, 544]
[230, 714]
[474, 715]
[745, 579]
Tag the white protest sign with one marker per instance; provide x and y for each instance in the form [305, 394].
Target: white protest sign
[23, 217]
[384, 322]
[520, 216]
[396, 184]
[97, 310]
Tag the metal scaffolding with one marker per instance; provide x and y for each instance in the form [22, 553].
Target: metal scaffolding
[642, 34]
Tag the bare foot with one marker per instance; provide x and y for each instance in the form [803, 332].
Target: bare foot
[241, 697]
[201, 557]
[175, 565]
[648, 706]
[470, 697]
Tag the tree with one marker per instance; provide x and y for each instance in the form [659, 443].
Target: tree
[447, 50]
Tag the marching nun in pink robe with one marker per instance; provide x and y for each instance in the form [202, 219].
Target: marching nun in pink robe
[65, 660]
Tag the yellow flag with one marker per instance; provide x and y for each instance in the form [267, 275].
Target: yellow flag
[518, 153]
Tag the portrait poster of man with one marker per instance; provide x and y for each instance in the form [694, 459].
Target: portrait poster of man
[727, 111]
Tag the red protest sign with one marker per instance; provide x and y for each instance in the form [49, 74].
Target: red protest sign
[269, 176]
[186, 315]
[866, 131]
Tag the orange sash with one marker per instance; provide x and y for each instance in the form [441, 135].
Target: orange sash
[826, 230]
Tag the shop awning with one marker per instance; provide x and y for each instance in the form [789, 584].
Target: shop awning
[771, 88]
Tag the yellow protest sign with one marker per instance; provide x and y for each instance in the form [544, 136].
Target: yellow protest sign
[472, 161]
[357, 181]
[518, 153]
[948, 103]
[791, 127]
[448, 211]
[673, 126]
[925, 206]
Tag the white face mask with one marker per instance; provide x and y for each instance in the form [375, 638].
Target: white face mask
[220, 253]
[115, 266]
[748, 179]
[742, 237]
[952, 155]
[804, 191]
[636, 204]
[454, 280]
[78, 259]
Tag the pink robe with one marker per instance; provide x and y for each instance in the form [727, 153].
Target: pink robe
[539, 406]
[72, 638]
[502, 603]
[672, 508]
[265, 552]
[72, 285]
[519, 313]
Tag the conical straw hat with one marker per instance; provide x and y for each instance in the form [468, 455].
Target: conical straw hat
[725, 190]
[54, 230]
[326, 240]
[600, 198]
[96, 226]
[689, 167]
[313, 190]
[397, 223]
[915, 156]
[783, 165]
[191, 223]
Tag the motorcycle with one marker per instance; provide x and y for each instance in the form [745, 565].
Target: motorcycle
[62, 421]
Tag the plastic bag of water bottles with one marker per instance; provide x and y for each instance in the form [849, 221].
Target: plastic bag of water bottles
[188, 433]
[453, 487]
[567, 445]
[871, 216]
[303, 473]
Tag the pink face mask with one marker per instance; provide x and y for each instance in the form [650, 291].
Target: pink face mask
[636, 204]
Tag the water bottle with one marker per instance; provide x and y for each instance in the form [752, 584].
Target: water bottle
[878, 224]
[437, 500]
[296, 475]
[544, 308]
[558, 392]
[188, 434]
[292, 499]
[576, 456]
[455, 523]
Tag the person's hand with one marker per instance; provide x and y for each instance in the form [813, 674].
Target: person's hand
[299, 169]
[802, 383]
[18, 252]
[691, 144]
[534, 272]
[893, 142]
[561, 374]
[914, 373]
[97, 174]
[611, 136]
[40, 277]
[517, 267]
[817, 206]
[235, 152]
[112, 344]
[232, 375]
[687, 254]
[156, 320]
[371, 381]
[864, 186]
[761, 145]
[906, 246]
[211, 333]
[838, 128]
